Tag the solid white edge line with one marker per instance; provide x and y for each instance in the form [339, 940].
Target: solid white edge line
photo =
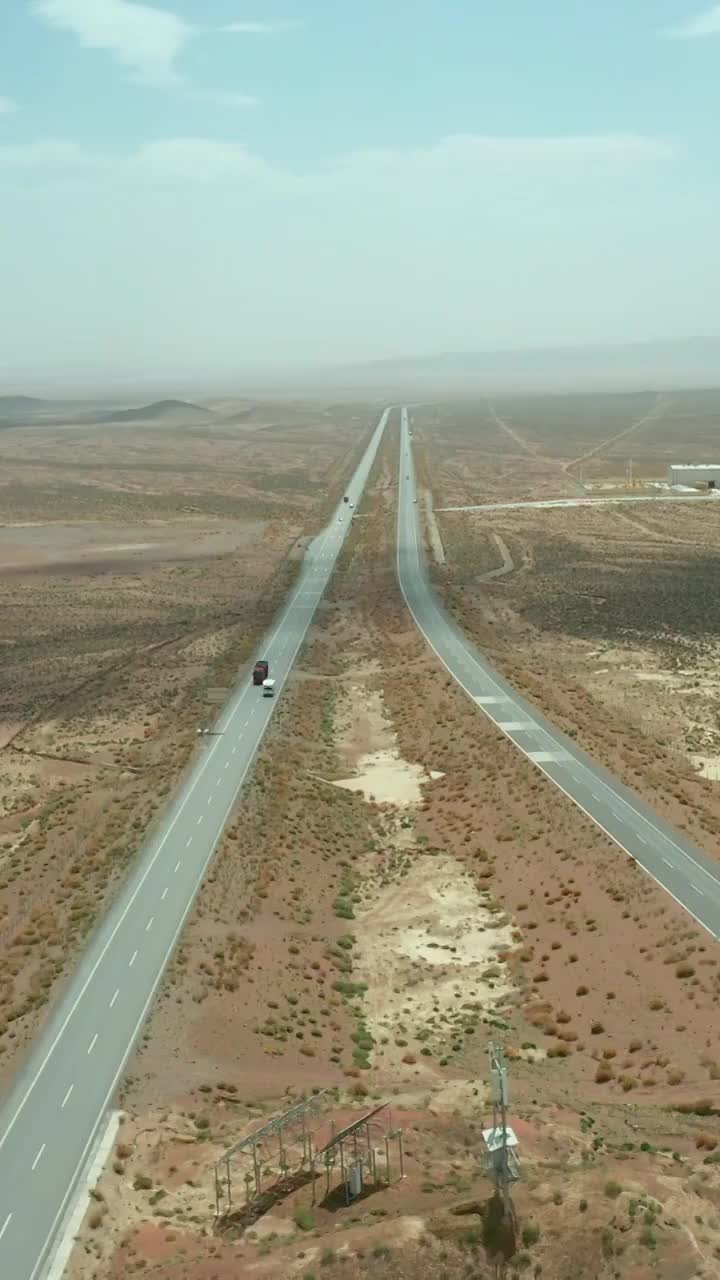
[379, 430]
[555, 783]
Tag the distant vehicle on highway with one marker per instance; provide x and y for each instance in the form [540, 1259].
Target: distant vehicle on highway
[261, 670]
[268, 688]
[346, 499]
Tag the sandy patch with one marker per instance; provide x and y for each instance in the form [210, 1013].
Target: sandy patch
[368, 741]
[388, 779]
[428, 950]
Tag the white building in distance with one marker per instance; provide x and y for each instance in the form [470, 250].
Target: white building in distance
[695, 474]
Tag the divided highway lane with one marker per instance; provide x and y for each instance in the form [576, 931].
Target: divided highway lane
[50, 1121]
[685, 872]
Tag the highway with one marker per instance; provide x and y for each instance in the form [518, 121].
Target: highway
[685, 872]
[50, 1121]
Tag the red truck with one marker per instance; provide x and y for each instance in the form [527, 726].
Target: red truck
[260, 671]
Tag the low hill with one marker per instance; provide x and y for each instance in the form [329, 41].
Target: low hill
[170, 411]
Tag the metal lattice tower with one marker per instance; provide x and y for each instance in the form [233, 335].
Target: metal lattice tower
[500, 1140]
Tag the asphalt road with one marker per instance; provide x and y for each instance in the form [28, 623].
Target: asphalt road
[686, 873]
[50, 1121]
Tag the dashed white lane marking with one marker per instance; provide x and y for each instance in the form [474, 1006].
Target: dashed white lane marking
[667, 862]
[217, 784]
[489, 700]
[641, 838]
[115, 996]
[66, 1099]
[187, 846]
[133, 958]
[548, 757]
[176, 868]
[234, 750]
[163, 895]
[149, 924]
[38, 1157]
[5, 1225]
[512, 726]
[227, 764]
[92, 1043]
[201, 817]
[694, 886]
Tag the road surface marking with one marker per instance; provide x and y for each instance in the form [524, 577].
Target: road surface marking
[234, 750]
[133, 958]
[548, 757]
[66, 1099]
[176, 868]
[201, 817]
[92, 1043]
[512, 726]
[700, 891]
[489, 700]
[117, 993]
[5, 1226]
[149, 924]
[641, 839]
[163, 895]
[667, 862]
[38, 1157]
[227, 764]
[187, 846]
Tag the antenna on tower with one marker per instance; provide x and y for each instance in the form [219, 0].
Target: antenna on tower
[500, 1141]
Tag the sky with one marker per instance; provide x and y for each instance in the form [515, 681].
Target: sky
[215, 185]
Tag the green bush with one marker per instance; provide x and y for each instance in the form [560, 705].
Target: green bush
[303, 1218]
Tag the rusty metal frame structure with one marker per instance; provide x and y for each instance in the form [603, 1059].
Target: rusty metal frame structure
[362, 1158]
[291, 1123]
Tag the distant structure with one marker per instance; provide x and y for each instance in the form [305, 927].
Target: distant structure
[698, 475]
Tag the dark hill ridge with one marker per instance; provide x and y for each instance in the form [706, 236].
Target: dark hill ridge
[162, 410]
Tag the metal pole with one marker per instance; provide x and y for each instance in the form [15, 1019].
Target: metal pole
[402, 1162]
[387, 1158]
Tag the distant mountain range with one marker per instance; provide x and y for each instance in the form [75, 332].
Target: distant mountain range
[657, 365]
[176, 411]
[28, 411]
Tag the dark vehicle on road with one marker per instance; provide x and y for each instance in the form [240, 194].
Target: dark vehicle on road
[260, 671]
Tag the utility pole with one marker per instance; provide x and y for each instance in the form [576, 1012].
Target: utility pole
[500, 1141]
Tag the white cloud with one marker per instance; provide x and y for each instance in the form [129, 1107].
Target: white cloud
[198, 160]
[47, 156]
[7, 106]
[146, 40]
[479, 160]
[698, 28]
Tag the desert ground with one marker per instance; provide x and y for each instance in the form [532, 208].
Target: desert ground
[142, 559]
[398, 889]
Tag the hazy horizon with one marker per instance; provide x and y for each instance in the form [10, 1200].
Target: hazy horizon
[190, 191]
